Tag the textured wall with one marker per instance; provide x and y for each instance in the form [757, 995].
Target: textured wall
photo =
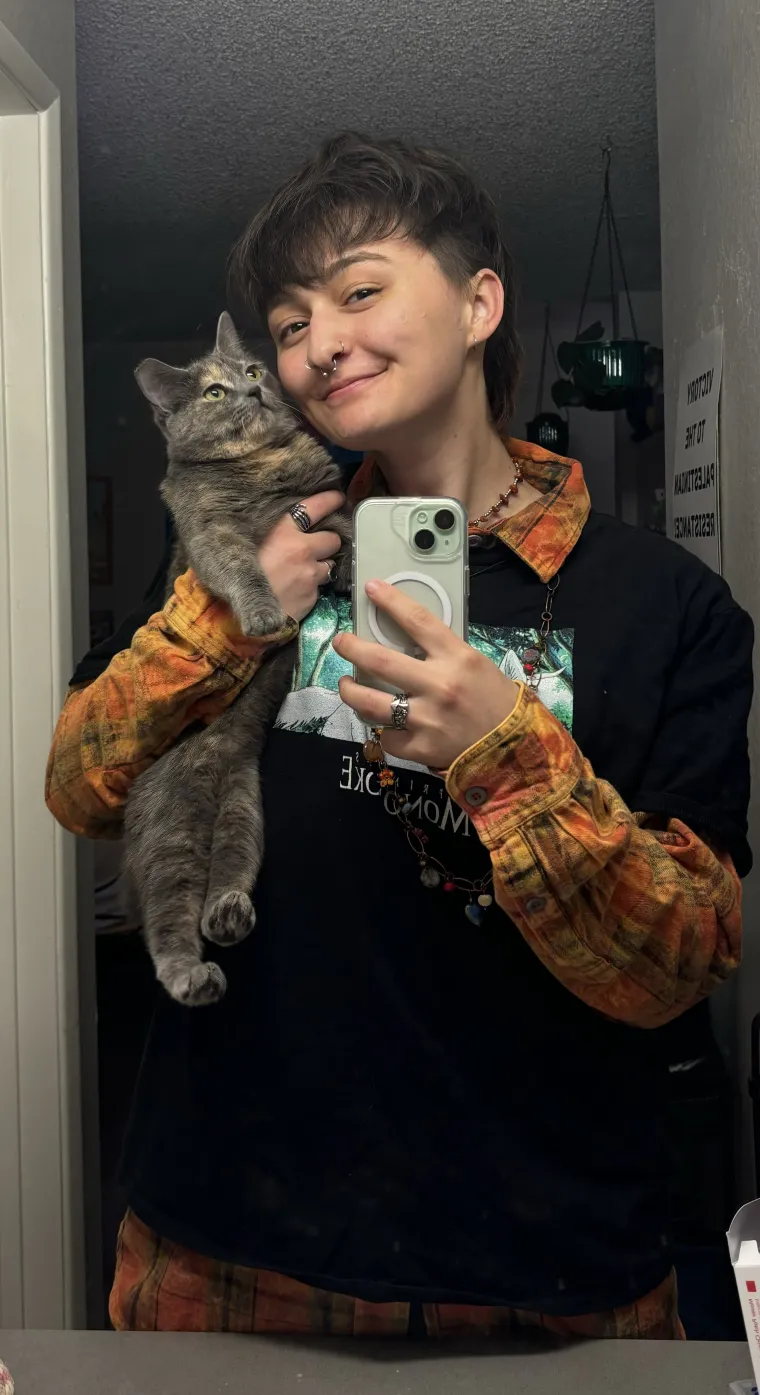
[190, 114]
[708, 61]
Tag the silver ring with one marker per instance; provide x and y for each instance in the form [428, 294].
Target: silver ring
[327, 371]
[399, 711]
[331, 570]
[300, 517]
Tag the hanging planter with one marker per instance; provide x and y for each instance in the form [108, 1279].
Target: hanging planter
[607, 375]
[548, 429]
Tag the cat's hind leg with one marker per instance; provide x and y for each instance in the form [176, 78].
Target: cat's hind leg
[236, 853]
[169, 823]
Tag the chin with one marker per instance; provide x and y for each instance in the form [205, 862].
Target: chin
[364, 431]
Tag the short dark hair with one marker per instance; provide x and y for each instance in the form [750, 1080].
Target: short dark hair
[357, 190]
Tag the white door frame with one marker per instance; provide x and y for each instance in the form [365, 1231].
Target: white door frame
[41, 1204]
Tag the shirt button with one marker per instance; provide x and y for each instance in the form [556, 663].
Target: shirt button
[536, 903]
[475, 796]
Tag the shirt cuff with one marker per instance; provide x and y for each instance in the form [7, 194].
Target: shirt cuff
[522, 768]
[210, 626]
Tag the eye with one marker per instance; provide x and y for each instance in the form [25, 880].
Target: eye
[288, 331]
[363, 293]
[253, 373]
[215, 392]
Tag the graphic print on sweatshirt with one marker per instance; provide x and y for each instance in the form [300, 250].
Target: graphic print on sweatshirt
[313, 706]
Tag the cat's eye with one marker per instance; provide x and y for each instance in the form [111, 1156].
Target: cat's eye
[253, 373]
[215, 392]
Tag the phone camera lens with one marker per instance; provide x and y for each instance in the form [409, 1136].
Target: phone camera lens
[445, 520]
[424, 540]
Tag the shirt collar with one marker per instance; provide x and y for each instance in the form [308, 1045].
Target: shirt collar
[544, 534]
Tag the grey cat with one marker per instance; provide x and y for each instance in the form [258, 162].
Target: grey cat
[237, 462]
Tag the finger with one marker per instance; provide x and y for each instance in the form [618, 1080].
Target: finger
[324, 545]
[425, 629]
[372, 707]
[318, 506]
[399, 670]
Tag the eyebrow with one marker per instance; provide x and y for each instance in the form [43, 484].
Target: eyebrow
[329, 273]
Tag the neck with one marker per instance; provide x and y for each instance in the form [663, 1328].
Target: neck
[460, 456]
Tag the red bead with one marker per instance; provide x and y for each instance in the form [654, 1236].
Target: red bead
[449, 886]
[529, 668]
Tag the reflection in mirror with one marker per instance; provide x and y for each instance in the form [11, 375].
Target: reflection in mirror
[430, 1051]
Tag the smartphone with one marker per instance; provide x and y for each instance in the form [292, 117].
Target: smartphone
[419, 545]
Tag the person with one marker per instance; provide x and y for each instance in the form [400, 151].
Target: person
[431, 1100]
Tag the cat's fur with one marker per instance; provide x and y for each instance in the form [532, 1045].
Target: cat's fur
[194, 826]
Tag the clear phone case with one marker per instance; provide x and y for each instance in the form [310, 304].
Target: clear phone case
[419, 545]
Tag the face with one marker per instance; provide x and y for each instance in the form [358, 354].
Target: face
[405, 331]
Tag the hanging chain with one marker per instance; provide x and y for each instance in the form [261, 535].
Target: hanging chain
[531, 659]
[564, 410]
[607, 218]
[540, 393]
[610, 257]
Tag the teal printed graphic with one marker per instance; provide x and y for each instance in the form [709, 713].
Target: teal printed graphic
[313, 705]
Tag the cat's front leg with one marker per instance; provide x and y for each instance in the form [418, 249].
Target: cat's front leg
[229, 568]
[256, 607]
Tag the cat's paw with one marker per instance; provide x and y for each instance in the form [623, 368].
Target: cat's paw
[229, 918]
[197, 986]
[265, 619]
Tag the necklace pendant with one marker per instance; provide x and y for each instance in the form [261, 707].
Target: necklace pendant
[531, 662]
[373, 751]
[474, 913]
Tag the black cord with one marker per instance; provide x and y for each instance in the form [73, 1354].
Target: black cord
[540, 393]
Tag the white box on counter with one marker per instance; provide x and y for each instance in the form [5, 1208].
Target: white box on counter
[743, 1237]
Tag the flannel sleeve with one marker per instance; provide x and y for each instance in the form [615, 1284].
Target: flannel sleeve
[638, 921]
[187, 664]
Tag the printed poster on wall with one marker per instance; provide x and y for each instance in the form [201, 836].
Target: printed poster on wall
[695, 515]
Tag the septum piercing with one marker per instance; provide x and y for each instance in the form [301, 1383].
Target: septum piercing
[327, 371]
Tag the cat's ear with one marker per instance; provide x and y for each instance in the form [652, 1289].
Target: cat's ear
[164, 386]
[228, 341]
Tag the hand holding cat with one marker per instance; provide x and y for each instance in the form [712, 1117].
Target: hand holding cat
[294, 562]
[456, 695]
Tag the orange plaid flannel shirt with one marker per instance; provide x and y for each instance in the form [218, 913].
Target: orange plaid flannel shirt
[637, 920]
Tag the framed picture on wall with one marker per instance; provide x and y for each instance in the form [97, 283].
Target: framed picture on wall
[100, 529]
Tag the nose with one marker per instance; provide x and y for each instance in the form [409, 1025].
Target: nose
[325, 348]
[255, 392]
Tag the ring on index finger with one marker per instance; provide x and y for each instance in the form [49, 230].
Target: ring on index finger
[300, 517]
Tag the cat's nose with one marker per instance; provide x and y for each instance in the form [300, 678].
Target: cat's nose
[255, 392]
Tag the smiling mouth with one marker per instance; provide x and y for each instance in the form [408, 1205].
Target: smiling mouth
[344, 388]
